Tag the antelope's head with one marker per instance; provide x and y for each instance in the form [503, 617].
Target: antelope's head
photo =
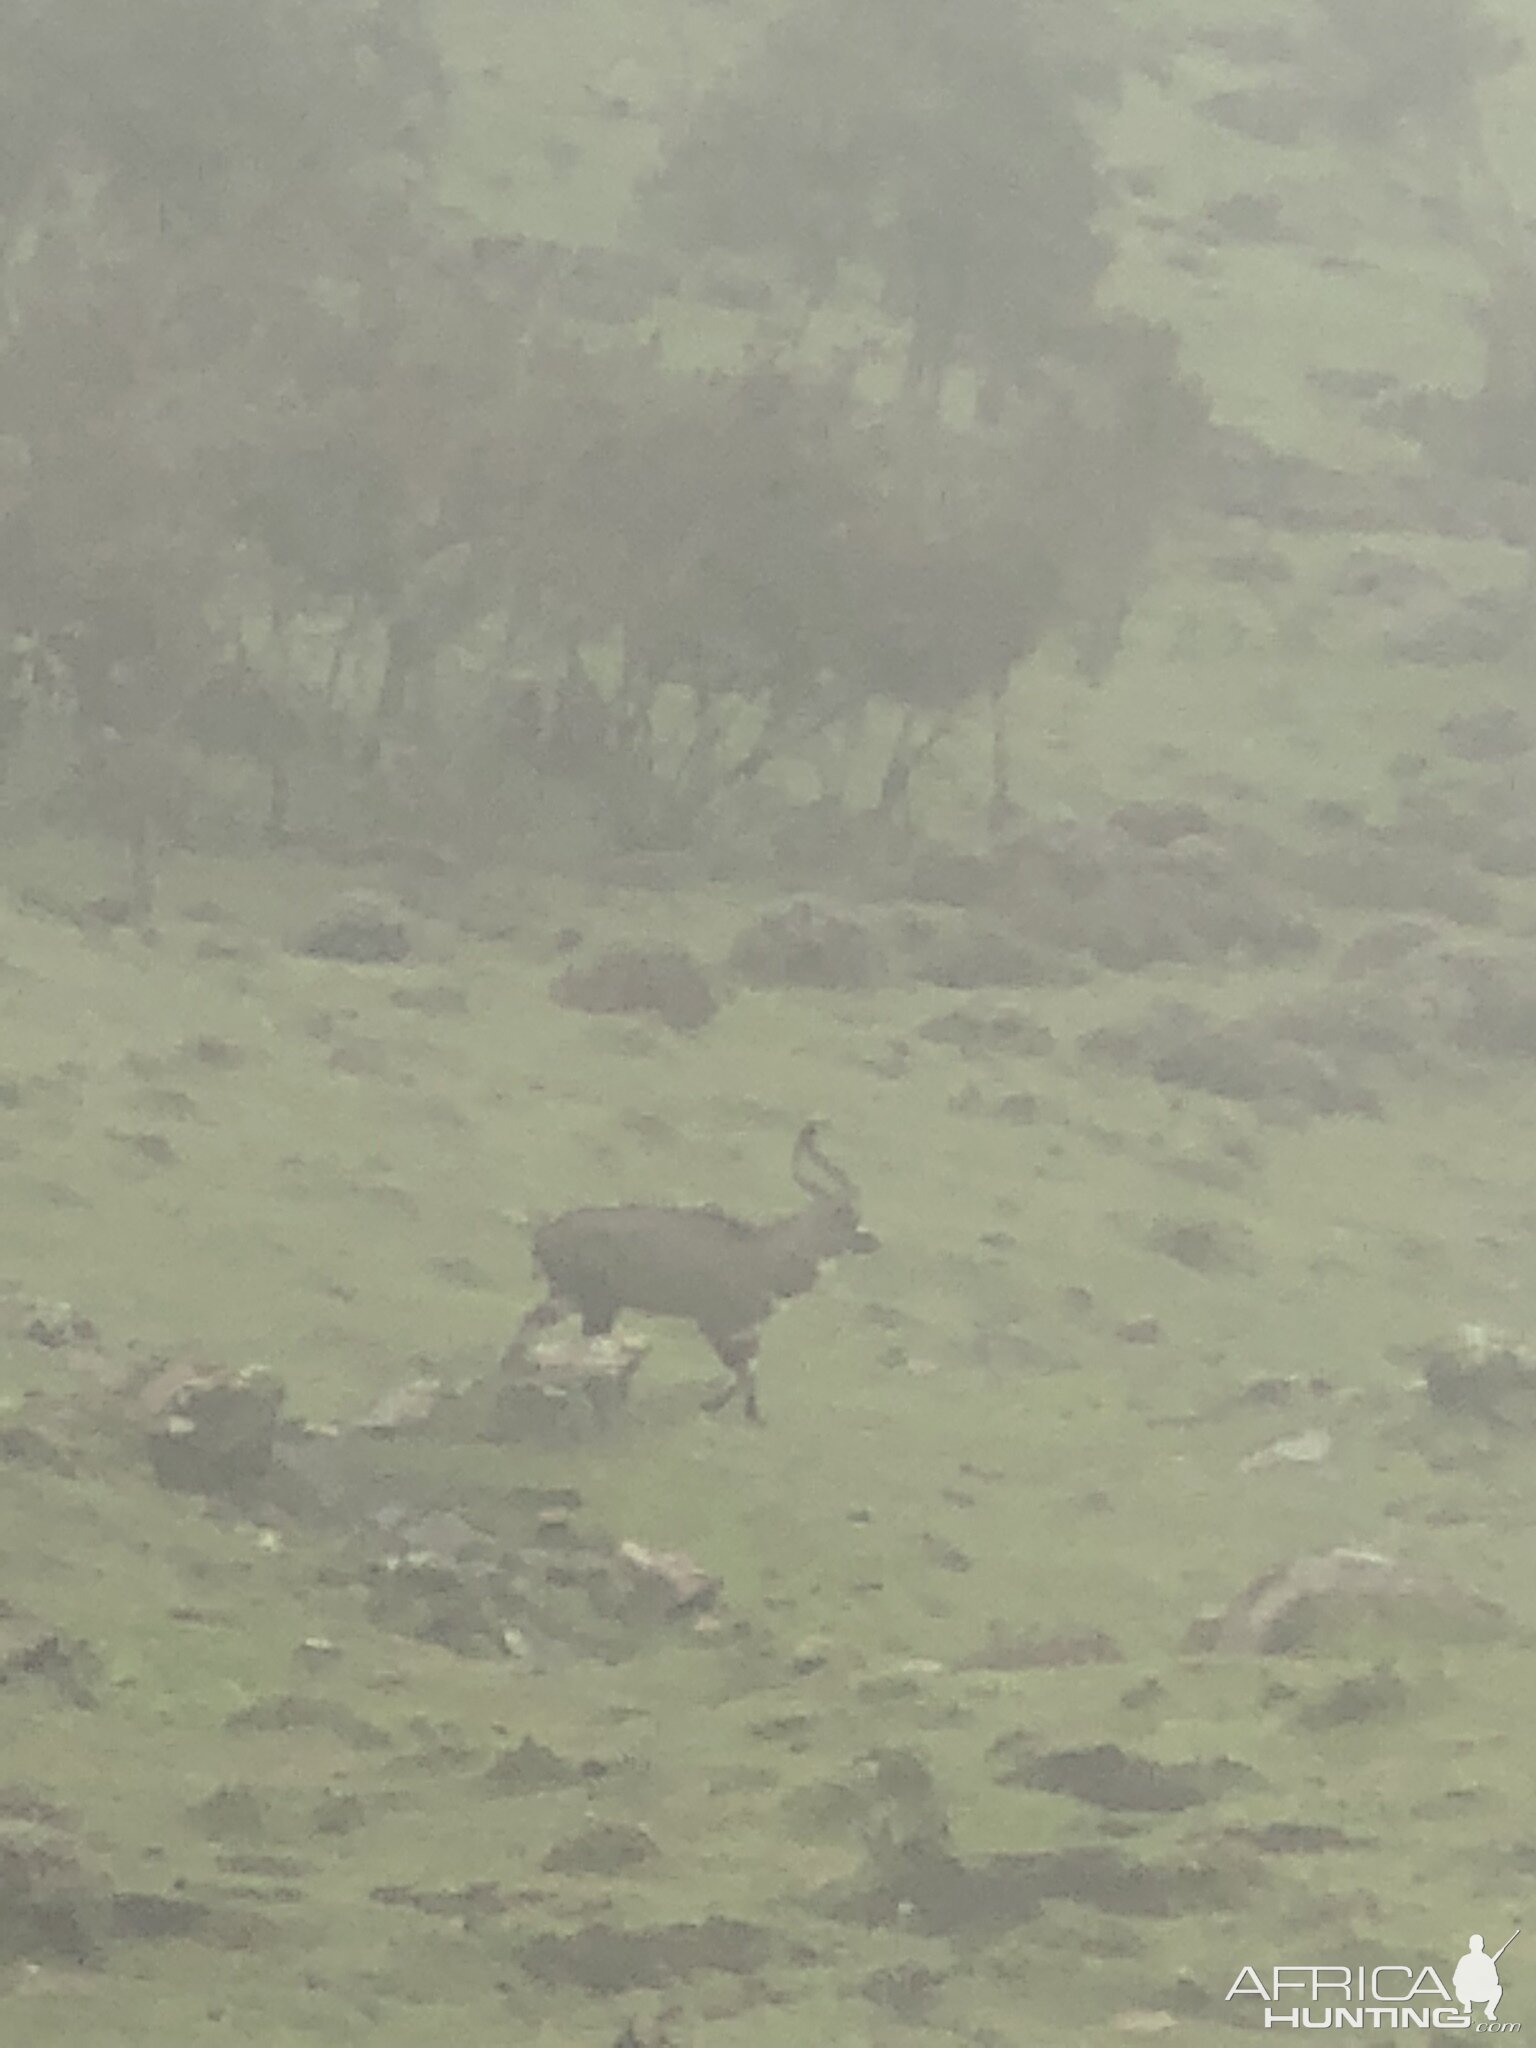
[827, 1227]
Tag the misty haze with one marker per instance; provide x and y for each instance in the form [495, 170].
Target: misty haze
[767, 1014]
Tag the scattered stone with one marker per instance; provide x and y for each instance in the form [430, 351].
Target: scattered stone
[404, 1407]
[657, 981]
[1338, 1592]
[562, 1387]
[672, 1575]
[1312, 1447]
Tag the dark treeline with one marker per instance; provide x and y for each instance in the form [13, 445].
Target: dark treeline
[296, 472]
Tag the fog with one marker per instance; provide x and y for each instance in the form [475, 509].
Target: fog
[766, 1002]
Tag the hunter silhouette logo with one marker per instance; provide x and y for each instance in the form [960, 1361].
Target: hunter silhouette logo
[1360, 1997]
[1476, 1977]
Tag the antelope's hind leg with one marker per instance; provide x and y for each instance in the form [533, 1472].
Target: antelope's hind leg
[738, 1355]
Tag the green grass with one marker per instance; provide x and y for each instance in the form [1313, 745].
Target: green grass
[1093, 1485]
[346, 1193]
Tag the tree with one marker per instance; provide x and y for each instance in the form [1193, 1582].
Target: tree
[1409, 72]
[936, 148]
[202, 209]
[1489, 438]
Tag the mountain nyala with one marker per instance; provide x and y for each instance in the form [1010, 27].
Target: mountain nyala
[718, 1272]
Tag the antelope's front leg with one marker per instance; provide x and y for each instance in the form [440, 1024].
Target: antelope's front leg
[738, 1355]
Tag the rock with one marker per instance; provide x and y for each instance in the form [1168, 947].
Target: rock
[1312, 1447]
[363, 927]
[1339, 1592]
[672, 1576]
[658, 981]
[403, 1407]
[562, 1387]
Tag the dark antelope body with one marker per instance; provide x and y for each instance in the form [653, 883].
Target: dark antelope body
[721, 1274]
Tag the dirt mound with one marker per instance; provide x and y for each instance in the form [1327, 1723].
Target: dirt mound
[655, 981]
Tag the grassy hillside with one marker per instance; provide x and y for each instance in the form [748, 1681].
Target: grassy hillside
[1005, 1466]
